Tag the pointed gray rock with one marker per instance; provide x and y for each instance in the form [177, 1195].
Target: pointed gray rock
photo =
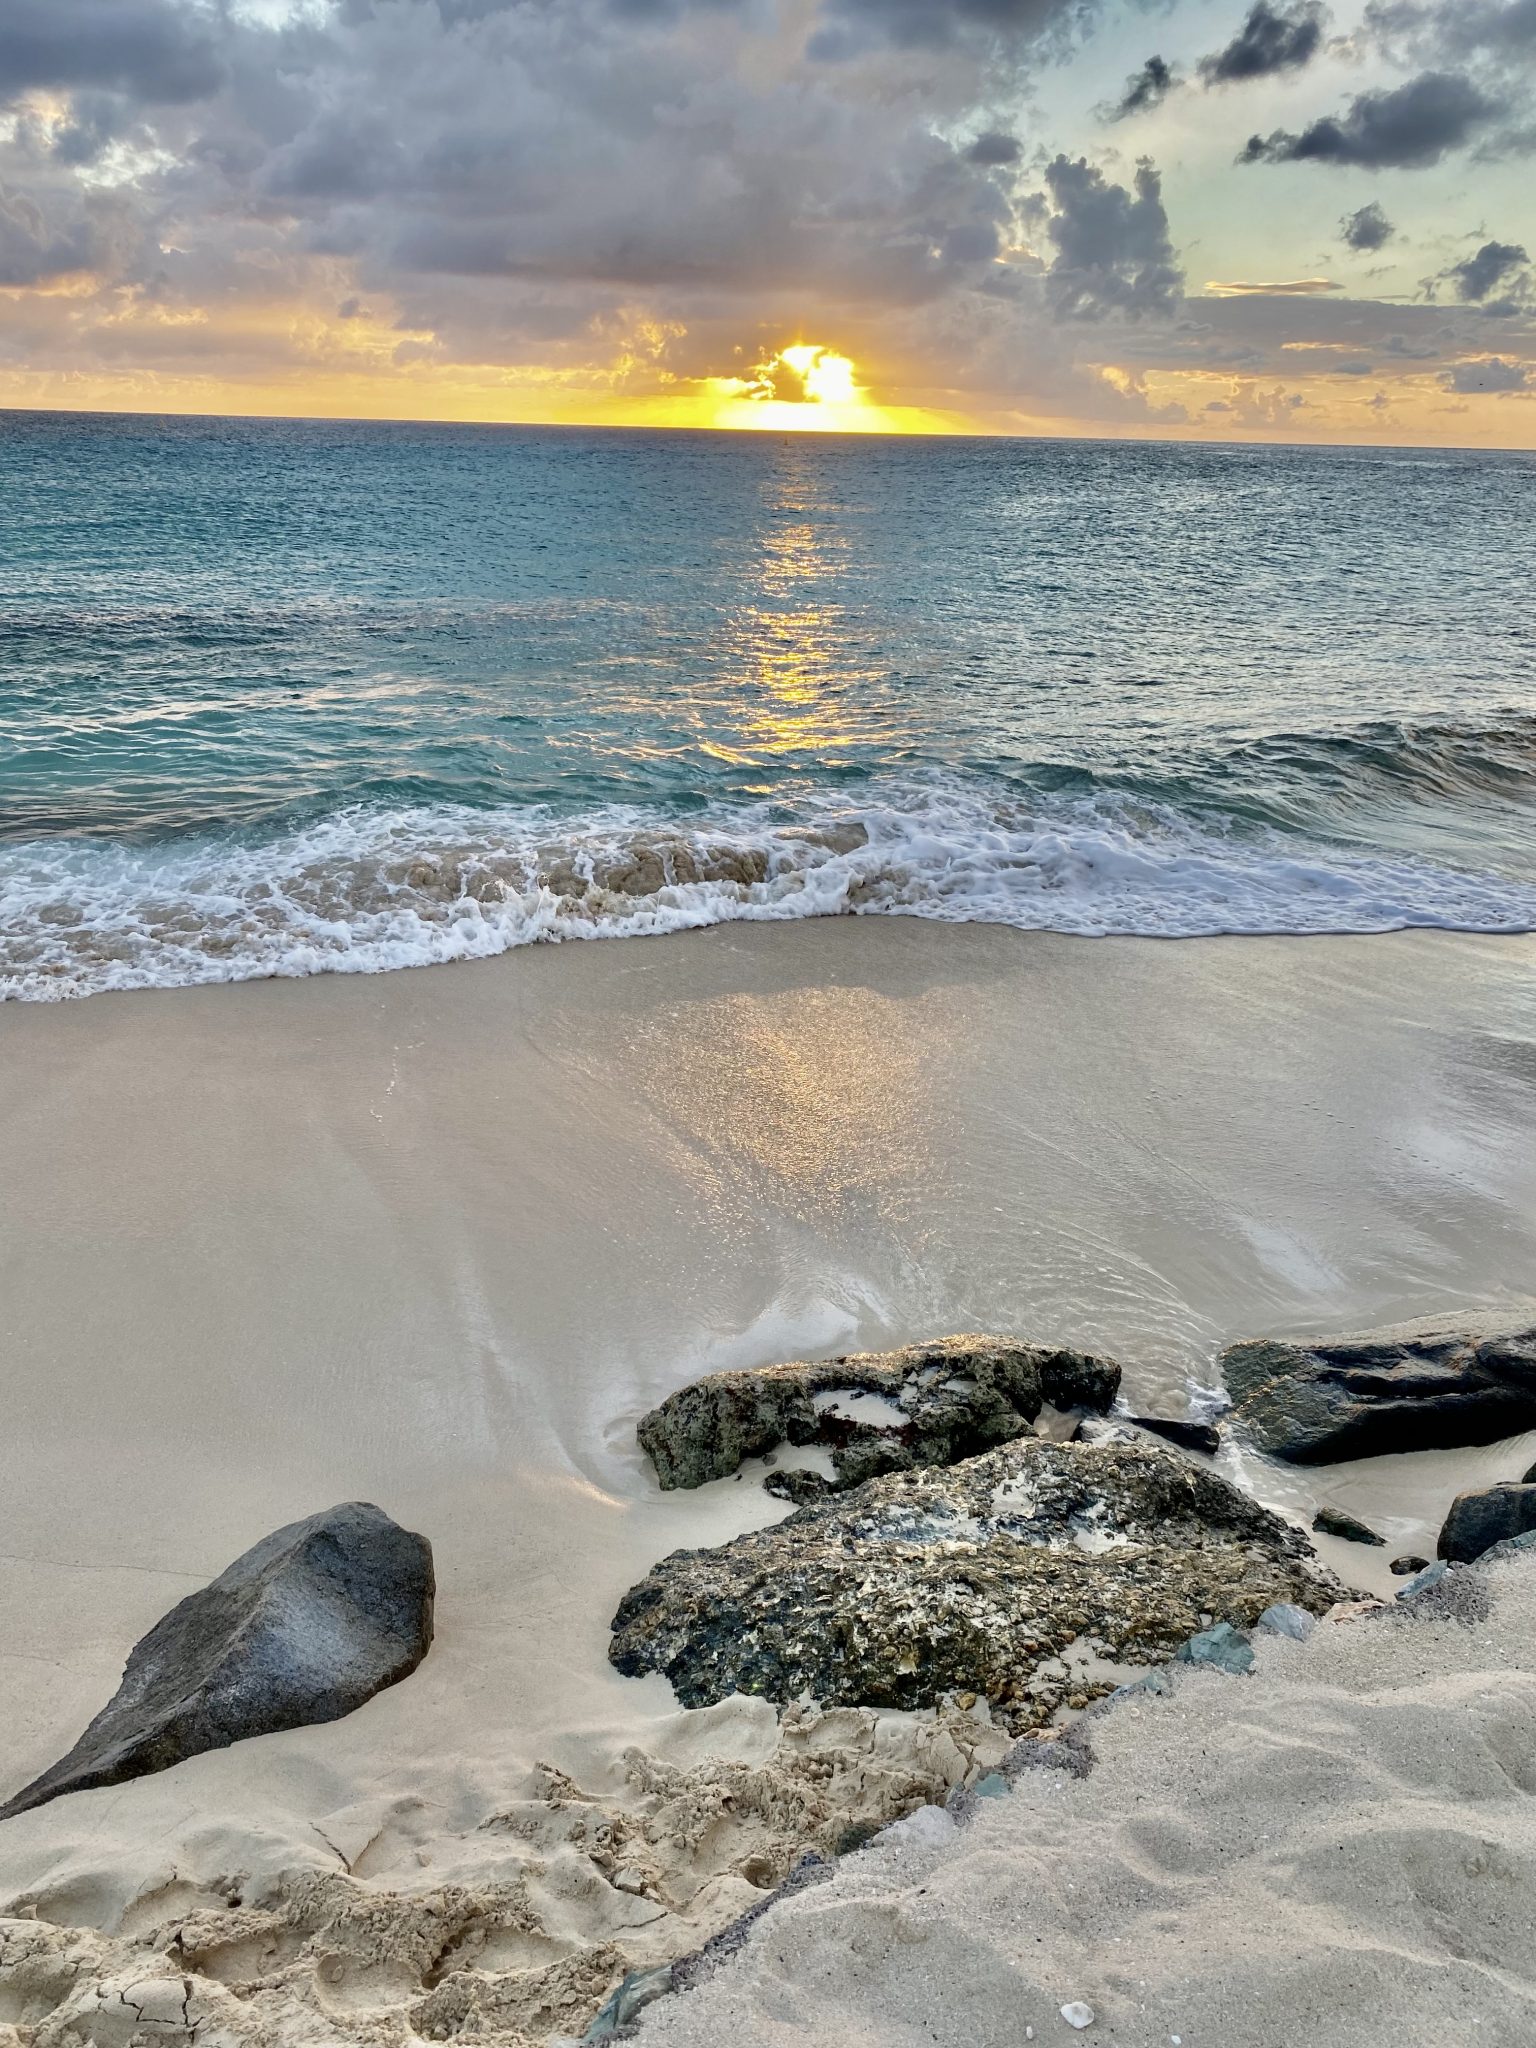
[308, 1624]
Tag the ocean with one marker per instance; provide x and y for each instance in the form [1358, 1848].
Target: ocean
[288, 698]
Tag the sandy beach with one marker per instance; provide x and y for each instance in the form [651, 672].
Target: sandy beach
[437, 1239]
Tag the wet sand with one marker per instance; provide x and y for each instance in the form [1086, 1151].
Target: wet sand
[436, 1239]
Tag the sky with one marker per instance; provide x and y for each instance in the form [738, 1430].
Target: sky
[1281, 220]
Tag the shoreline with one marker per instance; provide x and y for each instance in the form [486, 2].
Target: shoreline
[438, 1240]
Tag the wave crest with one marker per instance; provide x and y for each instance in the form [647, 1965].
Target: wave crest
[369, 891]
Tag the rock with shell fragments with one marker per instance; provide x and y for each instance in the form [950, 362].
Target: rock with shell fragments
[1031, 1574]
[875, 1411]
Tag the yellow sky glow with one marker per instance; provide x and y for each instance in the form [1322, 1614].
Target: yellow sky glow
[368, 368]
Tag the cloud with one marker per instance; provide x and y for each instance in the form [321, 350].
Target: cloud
[1367, 229]
[1454, 28]
[994, 148]
[37, 247]
[1490, 375]
[1272, 39]
[1292, 288]
[1144, 90]
[1405, 129]
[850, 27]
[1479, 276]
[1113, 250]
[154, 50]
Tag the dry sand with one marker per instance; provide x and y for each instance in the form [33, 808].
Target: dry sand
[436, 1239]
[1337, 1852]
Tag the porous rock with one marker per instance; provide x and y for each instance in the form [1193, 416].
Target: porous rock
[306, 1626]
[1013, 1574]
[1486, 1516]
[1416, 1387]
[934, 1403]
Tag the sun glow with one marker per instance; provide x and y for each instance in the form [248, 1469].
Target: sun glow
[805, 388]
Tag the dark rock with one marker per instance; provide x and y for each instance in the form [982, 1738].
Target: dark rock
[1491, 1514]
[1334, 1522]
[307, 1625]
[1405, 1567]
[1223, 1647]
[977, 1577]
[1189, 1436]
[1414, 1388]
[876, 1411]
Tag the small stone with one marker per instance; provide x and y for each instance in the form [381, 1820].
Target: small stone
[1285, 1620]
[993, 1786]
[1077, 2014]
[1334, 1522]
[628, 1881]
[1405, 1567]
[1430, 1576]
[638, 1990]
[1223, 1647]
[1150, 1681]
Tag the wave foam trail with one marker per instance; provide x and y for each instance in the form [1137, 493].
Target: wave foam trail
[367, 891]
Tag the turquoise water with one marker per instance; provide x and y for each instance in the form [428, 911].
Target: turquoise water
[283, 698]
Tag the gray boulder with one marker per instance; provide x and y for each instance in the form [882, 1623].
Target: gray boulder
[1026, 1574]
[1416, 1387]
[308, 1624]
[1489, 1515]
[874, 1411]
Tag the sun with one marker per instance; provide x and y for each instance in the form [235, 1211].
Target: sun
[826, 378]
[806, 387]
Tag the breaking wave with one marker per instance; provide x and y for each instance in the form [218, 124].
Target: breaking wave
[364, 891]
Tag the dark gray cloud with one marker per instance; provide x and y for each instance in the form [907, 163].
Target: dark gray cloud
[1405, 129]
[1455, 29]
[1477, 278]
[1366, 229]
[158, 52]
[993, 148]
[1272, 39]
[1113, 254]
[1144, 90]
[39, 245]
[850, 27]
[1494, 374]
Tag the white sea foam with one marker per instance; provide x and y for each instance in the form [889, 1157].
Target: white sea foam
[363, 892]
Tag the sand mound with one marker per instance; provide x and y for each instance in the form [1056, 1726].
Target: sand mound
[1339, 1851]
[518, 1928]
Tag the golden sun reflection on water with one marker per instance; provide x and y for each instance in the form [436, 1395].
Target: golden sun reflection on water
[799, 682]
